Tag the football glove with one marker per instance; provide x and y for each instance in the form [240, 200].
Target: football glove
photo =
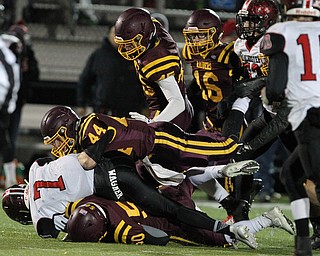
[249, 87]
[244, 152]
[60, 222]
[137, 116]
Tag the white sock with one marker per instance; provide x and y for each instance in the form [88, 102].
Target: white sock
[214, 171]
[255, 225]
[10, 173]
[214, 189]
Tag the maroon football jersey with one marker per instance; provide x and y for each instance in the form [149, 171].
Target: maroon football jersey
[125, 219]
[158, 63]
[135, 138]
[165, 142]
[214, 74]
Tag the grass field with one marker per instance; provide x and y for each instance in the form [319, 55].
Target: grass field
[16, 239]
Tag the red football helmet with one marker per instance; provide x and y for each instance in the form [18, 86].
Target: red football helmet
[60, 123]
[134, 30]
[87, 223]
[203, 31]
[13, 203]
[255, 17]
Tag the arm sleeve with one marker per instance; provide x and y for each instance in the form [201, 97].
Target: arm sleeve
[174, 97]
[277, 77]
[274, 128]
[272, 45]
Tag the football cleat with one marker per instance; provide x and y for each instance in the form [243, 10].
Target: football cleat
[315, 242]
[243, 235]
[237, 209]
[241, 211]
[302, 246]
[247, 167]
[229, 220]
[257, 186]
[315, 238]
[279, 220]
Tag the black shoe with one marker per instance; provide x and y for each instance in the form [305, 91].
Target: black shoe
[257, 185]
[302, 246]
[238, 209]
[315, 239]
[241, 212]
[315, 242]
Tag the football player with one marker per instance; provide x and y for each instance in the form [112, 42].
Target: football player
[53, 184]
[215, 68]
[171, 150]
[294, 72]
[94, 219]
[143, 40]
[252, 21]
[124, 222]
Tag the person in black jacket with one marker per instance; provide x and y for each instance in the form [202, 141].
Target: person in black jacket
[30, 72]
[112, 82]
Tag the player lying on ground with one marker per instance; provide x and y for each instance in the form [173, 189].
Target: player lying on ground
[53, 184]
[94, 219]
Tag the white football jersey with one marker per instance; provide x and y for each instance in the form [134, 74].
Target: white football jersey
[302, 41]
[55, 184]
[252, 58]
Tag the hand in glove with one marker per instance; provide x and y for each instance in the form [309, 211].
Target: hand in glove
[137, 116]
[60, 222]
[244, 152]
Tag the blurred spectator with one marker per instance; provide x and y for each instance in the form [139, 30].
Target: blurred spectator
[9, 14]
[9, 86]
[51, 13]
[84, 16]
[229, 31]
[29, 73]
[112, 81]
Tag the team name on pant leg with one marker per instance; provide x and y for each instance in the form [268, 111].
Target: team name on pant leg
[114, 183]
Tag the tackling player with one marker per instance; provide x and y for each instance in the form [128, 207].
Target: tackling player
[171, 150]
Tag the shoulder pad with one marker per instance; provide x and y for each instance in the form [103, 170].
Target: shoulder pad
[43, 161]
[186, 53]
[225, 52]
[272, 43]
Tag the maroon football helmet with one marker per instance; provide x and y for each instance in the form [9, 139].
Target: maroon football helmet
[60, 123]
[203, 31]
[13, 203]
[255, 17]
[87, 223]
[134, 30]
